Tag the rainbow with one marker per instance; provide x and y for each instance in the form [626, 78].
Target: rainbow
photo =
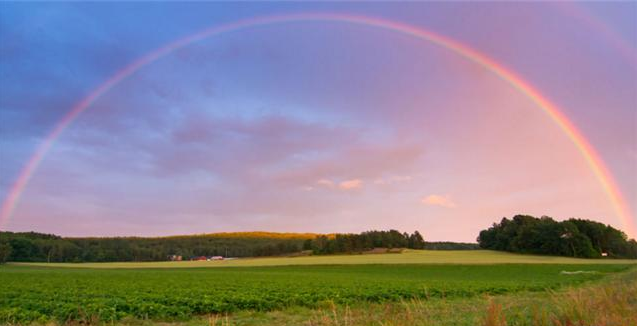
[615, 40]
[593, 160]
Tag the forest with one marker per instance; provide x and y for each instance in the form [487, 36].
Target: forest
[358, 243]
[545, 236]
[521, 234]
[38, 247]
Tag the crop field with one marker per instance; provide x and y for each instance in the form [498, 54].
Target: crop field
[45, 294]
[471, 257]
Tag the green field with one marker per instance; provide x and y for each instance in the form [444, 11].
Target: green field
[42, 294]
[471, 257]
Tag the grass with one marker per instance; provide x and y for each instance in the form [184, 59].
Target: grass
[470, 257]
[38, 294]
[611, 302]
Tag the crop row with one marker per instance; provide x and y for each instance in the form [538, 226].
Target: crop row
[48, 294]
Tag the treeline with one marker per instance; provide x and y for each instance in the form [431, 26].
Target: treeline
[446, 245]
[38, 247]
[545, 236]
[358, 243]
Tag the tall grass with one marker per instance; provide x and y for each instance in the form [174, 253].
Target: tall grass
[609, 303]
[601, 305]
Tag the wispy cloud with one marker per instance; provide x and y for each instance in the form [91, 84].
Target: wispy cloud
[438, 200]
[325, 183]
[393, 179]
[342, 185]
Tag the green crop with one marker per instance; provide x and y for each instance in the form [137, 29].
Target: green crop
[62, 294]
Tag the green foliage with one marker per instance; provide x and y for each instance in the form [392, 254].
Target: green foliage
[31, 294]
[446, 245]
[357, 243]
[37, 247]
[573, 238]
[415, 241]
[5, 252]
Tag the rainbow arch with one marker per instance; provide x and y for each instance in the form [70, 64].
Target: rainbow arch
[591, 157]
[577, 11]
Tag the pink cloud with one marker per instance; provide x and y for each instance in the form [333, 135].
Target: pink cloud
[438, 200]
[393, 179]
[325, 183]
[350, 184]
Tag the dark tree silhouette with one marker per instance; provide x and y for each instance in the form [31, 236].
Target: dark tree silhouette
[573, 237]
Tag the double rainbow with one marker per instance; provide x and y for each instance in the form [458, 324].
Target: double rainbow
[593, 159]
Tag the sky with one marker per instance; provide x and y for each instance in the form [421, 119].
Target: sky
[313, 126]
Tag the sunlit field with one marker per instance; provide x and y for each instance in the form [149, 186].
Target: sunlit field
[407, 257]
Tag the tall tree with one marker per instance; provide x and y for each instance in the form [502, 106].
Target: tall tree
[5, 252]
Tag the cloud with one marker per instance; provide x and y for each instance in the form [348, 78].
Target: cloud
[350, 184]
[393, 179]
[326, 183]
[343, 185]
[438, 200]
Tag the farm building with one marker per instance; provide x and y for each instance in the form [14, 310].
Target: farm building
[204, 258]
[175, 257]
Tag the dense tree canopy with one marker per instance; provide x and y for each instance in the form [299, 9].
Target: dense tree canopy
[352, 243]
[38, 247]
[29, 247]
[5, 251]
[447, 245]
[522, 233]
[573, 237]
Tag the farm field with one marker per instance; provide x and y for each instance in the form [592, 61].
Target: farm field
[407, 257]
[611, 300]
[54, 294]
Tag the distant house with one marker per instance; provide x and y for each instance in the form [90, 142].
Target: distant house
[214, 258]
[604, 254]
[175, 257]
